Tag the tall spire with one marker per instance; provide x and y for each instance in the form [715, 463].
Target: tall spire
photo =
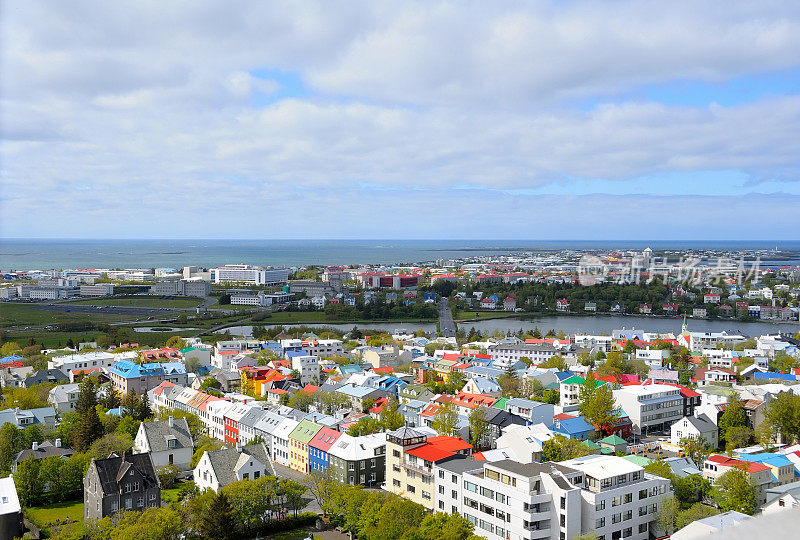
[684, 330]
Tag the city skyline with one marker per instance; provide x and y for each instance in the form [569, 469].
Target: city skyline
[572, 120]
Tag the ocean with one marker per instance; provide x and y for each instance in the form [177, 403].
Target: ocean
[42, 254]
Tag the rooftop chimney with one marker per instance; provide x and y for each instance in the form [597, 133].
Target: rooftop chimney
[35, 446]
[171, 421]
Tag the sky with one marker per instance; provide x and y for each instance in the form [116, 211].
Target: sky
[493, 120]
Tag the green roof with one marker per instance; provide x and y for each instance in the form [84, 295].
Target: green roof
[187, 349]
[590, 444]
[500, 403]
[305, 431]
[576, 379]
[606, 451]
[613, 440]
[638, 460]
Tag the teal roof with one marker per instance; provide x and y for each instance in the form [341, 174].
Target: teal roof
[613, 440]
[500, 403]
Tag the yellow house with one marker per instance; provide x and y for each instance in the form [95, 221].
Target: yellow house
[298, 445]
[410, 456]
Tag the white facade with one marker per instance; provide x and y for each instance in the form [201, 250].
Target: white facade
[280, 441]
[650, 406]
[244, 273]
[307, 366]
[90, 360]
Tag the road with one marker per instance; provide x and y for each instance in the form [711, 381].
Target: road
[447, 325]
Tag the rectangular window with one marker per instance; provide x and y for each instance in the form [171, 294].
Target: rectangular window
[441, 474]
[643, 527]
[627, 532]
[627, 498]
[599, 523]
[600, 506]
[642, 494]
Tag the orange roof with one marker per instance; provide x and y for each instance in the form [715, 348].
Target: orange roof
[429, 452]
[310, 388]
[479, 456]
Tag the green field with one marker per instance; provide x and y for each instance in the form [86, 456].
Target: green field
[12, 315]
[483, 315]
[42, 515]
[142, 301]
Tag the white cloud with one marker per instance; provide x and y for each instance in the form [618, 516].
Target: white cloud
[153, 103]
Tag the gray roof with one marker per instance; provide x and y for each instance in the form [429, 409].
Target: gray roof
[252, 417]
[110, 469]
[159, 432]
[532, 469]
[778, 491]
[45, 449]
[224, 461]
[702, 423]
[46, 376]
[460, 465]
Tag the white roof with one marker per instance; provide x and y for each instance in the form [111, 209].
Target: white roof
[9, 502]
[601, 467]
[648, 389]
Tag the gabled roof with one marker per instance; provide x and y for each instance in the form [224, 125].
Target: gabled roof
[110, 470]
[158, 434]
[224, 462]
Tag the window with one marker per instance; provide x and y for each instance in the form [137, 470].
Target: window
[628, 515]
[441, 490]
[426, 495]
[396, 483]
[128, 503]
[396, 453]
[628, 497]
[600, 506]
[441, 505]
[627, 532]
[643, 527]
[599, 523]
[642, 494]
[441, 474]
[494, 475]
[616, 501]
[140, 502]
[114, 505]
[454, 479]
[642, 511]
[410, 488]
[499, 497]
[454, 494]
[616, 518]
[152, 496]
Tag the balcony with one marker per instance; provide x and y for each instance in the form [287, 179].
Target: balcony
[416, 468]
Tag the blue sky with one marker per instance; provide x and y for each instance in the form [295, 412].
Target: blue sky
[587, 120]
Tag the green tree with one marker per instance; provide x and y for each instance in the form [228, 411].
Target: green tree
[11, 442]
[659, 468]
[445, 421]
[693, 513]
[441, 526]
[556, 361]
[49, 476]
[560, 448]
[596, 403]
[117, 443]
[668, 513]
[87, 396]
[734, 416]
[391, 418]
[143, 410]
[88, 430]
[167, 476]
[130, 402]
[783, 417]
[509, 382]
[478, 427]
[292, 493]
[29, 487]
[735, 491]
[690, 489]
[696, 449]
[737, 437]
[128, 425]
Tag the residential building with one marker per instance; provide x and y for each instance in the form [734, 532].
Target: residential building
[39, 451]
[319, 446]
[651, 407]
[760, 474]
[299, 438]
[169, 442]
[308, 368]
[359, 460]
[700, 427]
[100, 289]
[22, 418]
[410, 457]
[126, 375]
[709, 526]
[116, 483]
[218, 468]
[64, 397]
[10, 510]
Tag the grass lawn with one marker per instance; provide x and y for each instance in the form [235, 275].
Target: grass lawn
[483, 315]
[142, 301]
[33, 315]
[293, 535]
[42, 515]
[170, 495]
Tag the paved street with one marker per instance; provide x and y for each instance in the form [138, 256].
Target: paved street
[446, 324]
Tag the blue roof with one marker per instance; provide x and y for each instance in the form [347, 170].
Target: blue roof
[173, 368]
[351, 368]
[774, 460]
[571, 426]
[130, 370]
[11, 358]
[355, 391]
[291, 354]
[564, 375]
[774, 375]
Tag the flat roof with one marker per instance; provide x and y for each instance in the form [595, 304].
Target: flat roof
[530, 469]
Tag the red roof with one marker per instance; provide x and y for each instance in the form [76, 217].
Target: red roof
[310, 388]
[451, 356]
[429, 452]
[324, 439]
[563, 416]
[479, 456]
[453, 444]
[749, 466]
[685, 392]
[386, 369]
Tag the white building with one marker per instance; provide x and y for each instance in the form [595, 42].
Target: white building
[651, 407]
[100, 289]
[280, 441]
[307, 366]
[244, 273]
[323, 347]
[64, 397]
[507, 500]
[169, 442]
[218, 468]
[90, 360]
[700, 427]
